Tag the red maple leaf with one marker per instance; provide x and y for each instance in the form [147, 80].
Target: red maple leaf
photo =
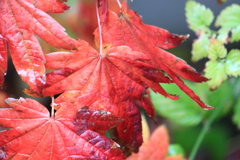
[3, 59]
[119, 77]
[31, 133]
[20, 20]
[128, 29]
[156, 148]
[128, 133]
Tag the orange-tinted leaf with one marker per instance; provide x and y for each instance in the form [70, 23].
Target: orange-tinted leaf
[128, 29]
[156, 148]
[20, 20]
[3, 59]
[175, 157]
[3, 96]
[51, 138]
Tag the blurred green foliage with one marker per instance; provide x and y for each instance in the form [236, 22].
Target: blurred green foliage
[186, 111]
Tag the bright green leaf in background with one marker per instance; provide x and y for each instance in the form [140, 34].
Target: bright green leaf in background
[216, 50]
[215, 143]
[229, 20]
[222, 35]
[229, 17]
[198, 16]
[236, 114]
[200, 48]
[235, 34]
[232, 65]
[175, 149]
[216, 72]
[185, 111]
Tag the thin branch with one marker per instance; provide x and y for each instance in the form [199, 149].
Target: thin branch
[208, 124]
[99, 28]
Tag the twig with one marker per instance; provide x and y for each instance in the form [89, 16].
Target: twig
[206, 127]
[99, 28]
[119, 3]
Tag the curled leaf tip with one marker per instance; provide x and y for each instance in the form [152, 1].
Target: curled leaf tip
[208, 107]
[184, 36]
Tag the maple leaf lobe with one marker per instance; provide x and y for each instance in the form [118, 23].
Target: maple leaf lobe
[48, 135]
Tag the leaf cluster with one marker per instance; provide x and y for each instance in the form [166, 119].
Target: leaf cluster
[98, 89]
[211, 44]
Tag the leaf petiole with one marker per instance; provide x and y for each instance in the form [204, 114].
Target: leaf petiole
[119, 3]
[99, 28]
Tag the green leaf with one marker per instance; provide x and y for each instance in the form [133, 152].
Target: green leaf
[216, 72]
[223, 35]
[198, 16]
[220, 93]
[236, 114]
[200, 48]
[175, 149]
[232, 65]
[235, 34]
[216, 50]
[229, 17]
[183, 111]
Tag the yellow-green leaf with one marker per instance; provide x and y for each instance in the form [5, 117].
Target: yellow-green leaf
[235, 34]
[229, 17]
[216, 72]
[200, 48]
[198, 16]
[216, 50]
[232, 65]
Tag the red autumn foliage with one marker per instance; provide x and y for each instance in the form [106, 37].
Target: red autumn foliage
[32, 134]
[91, 84]
[149, 39]
[3, 59]
[20, 20]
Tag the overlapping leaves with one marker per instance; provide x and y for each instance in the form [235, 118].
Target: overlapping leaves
[20, 20]
[115, 79]
[121, 75]
[32, 134]
[118, 78]
[147, 39]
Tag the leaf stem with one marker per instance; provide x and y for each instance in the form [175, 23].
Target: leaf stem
[206, 127]
[52, 105]
[119, 3]
[99, 28]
